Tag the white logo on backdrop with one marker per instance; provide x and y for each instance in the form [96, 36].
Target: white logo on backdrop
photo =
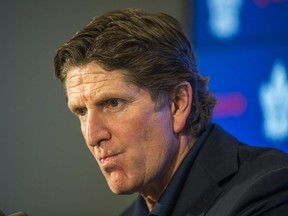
[274, 103]
[224, 19]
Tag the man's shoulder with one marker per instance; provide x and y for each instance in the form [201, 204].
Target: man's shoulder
[246, 154]
[262, 166]
[256, 157]
[260, 185]
[253, 161]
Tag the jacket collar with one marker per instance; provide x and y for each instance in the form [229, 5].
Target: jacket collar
[216, 161]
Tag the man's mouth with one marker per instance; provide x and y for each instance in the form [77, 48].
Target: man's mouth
[106, 159]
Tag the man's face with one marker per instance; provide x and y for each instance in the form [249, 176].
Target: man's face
[132, 142]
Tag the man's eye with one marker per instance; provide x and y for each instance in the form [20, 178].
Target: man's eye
[114, 105]
[82, 111]
[113, 102]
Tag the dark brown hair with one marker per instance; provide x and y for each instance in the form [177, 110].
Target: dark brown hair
[151, 50]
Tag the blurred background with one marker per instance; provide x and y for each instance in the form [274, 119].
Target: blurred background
[243, 46]
[45, 167]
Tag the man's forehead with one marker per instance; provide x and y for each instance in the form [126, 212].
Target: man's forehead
[89, 74]
[93, 80]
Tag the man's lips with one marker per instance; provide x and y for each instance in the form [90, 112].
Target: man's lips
[108, 158]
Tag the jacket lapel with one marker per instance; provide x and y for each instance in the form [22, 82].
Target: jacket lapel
[216, 161]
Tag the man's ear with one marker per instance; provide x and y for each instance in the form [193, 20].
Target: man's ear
[181, 102]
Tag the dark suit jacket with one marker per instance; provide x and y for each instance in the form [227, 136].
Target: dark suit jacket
[230, 178]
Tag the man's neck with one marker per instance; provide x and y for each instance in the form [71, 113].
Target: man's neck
[152, 194]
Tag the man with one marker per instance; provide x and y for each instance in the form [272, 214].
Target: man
[145, 111]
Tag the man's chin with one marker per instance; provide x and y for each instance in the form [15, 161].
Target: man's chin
[121, 190]
[119, 184]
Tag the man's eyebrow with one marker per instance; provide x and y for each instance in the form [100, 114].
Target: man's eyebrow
[103, 98]
[98, 101]
[72, 106]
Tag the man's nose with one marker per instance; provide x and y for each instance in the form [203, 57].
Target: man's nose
[95, 129]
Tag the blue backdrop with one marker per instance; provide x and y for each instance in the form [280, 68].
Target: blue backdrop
[242, 45]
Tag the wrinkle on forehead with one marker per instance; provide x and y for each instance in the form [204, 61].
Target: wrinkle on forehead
[85, 74]
[87, 85]
[92, 83]
[81, 78]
